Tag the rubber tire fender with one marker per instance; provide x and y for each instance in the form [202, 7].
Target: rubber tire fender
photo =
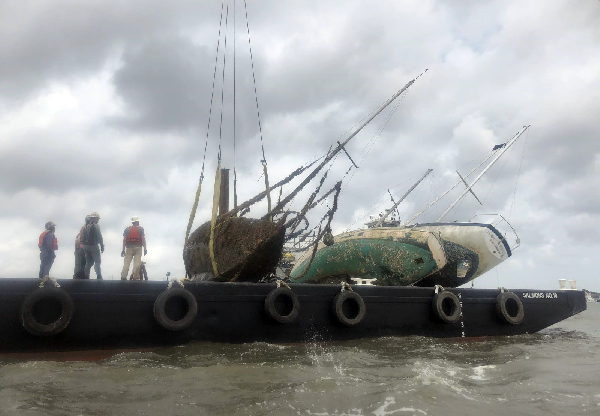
[34, 327]
[272, 311]
[501, 301]
[438, 307]
[338, 311]
[161, 316]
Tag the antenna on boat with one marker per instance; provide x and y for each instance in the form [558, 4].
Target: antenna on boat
[504, 149]
[506, 145]
[387, 212]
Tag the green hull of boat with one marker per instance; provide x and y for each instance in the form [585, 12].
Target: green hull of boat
[391, 262]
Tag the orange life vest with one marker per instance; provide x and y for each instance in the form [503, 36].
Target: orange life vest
[134, 236]
[41, 242]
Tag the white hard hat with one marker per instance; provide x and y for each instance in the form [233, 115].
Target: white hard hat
[94, 215]
[135, 218]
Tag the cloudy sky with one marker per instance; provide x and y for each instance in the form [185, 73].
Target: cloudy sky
[104, 106]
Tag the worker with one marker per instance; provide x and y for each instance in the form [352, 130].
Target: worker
[48, 244]
[79, 272]
[91, 238]
[134, 241]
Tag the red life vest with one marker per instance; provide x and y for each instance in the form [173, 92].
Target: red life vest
[41, 242]
[134, 236]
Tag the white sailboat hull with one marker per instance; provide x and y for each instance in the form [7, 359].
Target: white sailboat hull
[448, 254]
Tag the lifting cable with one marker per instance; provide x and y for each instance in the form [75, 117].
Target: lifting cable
[264, 159]
[234, 114]
[217, 186]
[199, 189]
[223, 83]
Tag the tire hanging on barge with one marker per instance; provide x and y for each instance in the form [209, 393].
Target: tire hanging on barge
[446, 307]
[282, 305]
[169, 296]
[510, 308]
[349, 308]
[40, 304]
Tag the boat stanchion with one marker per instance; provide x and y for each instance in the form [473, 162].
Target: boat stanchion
[348, 306]
[175, 308]
[47, 310]
[509, 307]
[282, 304]
[446, 305]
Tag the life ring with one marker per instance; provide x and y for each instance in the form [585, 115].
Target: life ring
[446, 307]
[510, 308]
[349, 308]
[30, 314]
[291, 305]
[160, 312]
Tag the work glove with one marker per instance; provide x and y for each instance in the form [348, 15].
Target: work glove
[101, 249]
[145, 252]
[123, 253]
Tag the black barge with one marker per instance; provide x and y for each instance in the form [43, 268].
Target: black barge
[77, 315]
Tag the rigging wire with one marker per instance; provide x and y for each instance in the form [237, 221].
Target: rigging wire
[456, 209]
[518, 176]
[369, 146]
[499, 171]
[496, 177]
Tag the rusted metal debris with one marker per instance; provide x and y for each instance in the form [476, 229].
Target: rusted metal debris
[245, 249]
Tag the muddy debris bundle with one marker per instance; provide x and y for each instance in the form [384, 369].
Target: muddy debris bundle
[245, 249]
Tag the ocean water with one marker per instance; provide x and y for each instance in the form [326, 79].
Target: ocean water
[554, 372]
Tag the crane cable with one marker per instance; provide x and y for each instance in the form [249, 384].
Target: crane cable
[201, 179]
[264, 159]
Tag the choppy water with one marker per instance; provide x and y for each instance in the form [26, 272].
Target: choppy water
[555, 372]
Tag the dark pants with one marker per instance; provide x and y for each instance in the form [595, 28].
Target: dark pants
[92, 258]
[79, 272]
[46, 264]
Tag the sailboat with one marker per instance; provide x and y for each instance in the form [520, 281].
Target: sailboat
[388, 252]
[234, 248]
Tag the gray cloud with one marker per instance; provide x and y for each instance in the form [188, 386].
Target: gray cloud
[104, 106]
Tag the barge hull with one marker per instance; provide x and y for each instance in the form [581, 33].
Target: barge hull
[120, 314]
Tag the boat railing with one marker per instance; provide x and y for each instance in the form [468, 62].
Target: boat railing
[509, 234]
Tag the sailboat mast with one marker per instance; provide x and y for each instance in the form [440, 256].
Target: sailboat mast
[382, 219]
[449, 190]
[340, 146]
[388, 102]
[504, 149]
[445, 193]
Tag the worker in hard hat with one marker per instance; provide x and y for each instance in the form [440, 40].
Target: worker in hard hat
[91, 238]
[134, 241]
[47, 244]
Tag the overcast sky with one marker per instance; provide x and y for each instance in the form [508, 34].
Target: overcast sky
[104, 106]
